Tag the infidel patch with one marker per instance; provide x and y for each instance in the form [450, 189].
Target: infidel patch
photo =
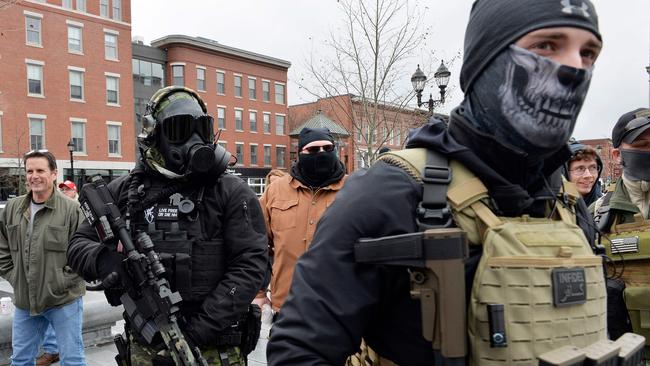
[569, 286]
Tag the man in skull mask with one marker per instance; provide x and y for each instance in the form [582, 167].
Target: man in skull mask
[525, 77]
[293, 204]
[206, 224]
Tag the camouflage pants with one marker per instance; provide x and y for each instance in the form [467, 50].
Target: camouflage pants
[143, 356]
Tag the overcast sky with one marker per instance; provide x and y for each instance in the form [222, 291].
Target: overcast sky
[291, 29]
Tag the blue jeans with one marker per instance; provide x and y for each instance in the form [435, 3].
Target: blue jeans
[28, 332]
[49, 343]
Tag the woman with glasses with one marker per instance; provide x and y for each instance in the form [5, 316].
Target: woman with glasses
[583, 169]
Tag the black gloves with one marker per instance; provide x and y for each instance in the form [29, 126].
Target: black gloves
[110, 269]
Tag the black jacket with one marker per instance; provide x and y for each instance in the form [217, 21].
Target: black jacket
[334, 302]
[230, 211]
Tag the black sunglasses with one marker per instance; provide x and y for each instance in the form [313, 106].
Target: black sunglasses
[177, 129]
[317, 149]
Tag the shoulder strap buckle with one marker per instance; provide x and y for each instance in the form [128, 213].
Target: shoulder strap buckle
[434, 211]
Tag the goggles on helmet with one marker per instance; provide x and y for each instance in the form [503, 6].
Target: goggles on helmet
[177, 129]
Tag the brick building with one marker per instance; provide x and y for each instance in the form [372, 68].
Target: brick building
[389, 129]
[246, 93]
[66, 77]
[611, 169]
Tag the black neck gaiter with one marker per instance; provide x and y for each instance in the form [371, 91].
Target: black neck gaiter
[528, 101]
[318, 170]
[636, 164]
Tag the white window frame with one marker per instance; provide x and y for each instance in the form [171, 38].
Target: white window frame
[39, 31]
[117, 9]
[82, 71]
[107, 46]
[223, 144]
[270, 157]
[117, 79]
[223, 74]
[83, 122]
[241, 119]
[266, 98]
[241, 85]
[251, 153]
[81, 6]
[201, 68]
[40, 64]
[280, 161]
[239, 143]
[265, 115]
[224, 109]
[284, 121]
[110, 124]
[80, 27]
[103, 4]
[67, 4]
[284, 93]
[172, 66]
[42, 118]
[254, 113]
[254, 90]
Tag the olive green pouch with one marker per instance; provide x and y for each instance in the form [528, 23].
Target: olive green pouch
[638, 305]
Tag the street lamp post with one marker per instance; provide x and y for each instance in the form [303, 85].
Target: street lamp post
[419, 80]
[71, 149]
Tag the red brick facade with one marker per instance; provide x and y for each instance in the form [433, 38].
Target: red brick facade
[54, 105]
[611, 169]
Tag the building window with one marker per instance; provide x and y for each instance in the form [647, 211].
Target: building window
[81, 5]
[75, 41]
[252, 92]
[239, 153]
[110, 46]
[223, 144]
[79, 136]
[103, 8]
[239, 122]
[238, 86]
[35, 80]
[280, 154]
[112, 90]
[177, 75]
[221, 118]
[117, 9]
[221, 83]
[33, 29]
[266, 120]
[252, 117]
[279, 93]
[267, 155]
[279, 124]
[200, 79]
[114, 146]
[76, 85]
[253, 154]
[257, 185]
[266, 90]
[67, 4]
[36, 133]
[148, 73]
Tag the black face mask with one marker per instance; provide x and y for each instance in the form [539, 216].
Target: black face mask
[317, 168]
[528, 101]
[636, 164]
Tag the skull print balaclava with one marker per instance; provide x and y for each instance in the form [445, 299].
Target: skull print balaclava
[527, 100]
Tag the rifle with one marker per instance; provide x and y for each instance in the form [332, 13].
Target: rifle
[150, 306]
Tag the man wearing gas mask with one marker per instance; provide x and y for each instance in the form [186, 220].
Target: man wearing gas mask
[492, 180]
[293, 204]
[206, 225]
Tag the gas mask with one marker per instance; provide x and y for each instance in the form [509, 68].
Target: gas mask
[529, 101]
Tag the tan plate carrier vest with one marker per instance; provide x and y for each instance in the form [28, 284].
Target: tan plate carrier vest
[515, 270]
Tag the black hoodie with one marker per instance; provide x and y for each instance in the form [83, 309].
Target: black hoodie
[597, 190]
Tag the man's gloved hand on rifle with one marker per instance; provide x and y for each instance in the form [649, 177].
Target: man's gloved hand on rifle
[110, 269]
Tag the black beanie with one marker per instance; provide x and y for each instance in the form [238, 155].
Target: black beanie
[496, 24]
[308, 135]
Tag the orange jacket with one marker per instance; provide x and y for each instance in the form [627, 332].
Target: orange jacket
[291, 211]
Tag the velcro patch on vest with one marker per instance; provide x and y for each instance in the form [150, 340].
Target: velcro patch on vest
[569, 286]
[166, 213]
[625, 245]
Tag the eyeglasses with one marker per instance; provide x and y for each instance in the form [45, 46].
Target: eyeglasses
[581, 170]
[179, 128]
[317, 149]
